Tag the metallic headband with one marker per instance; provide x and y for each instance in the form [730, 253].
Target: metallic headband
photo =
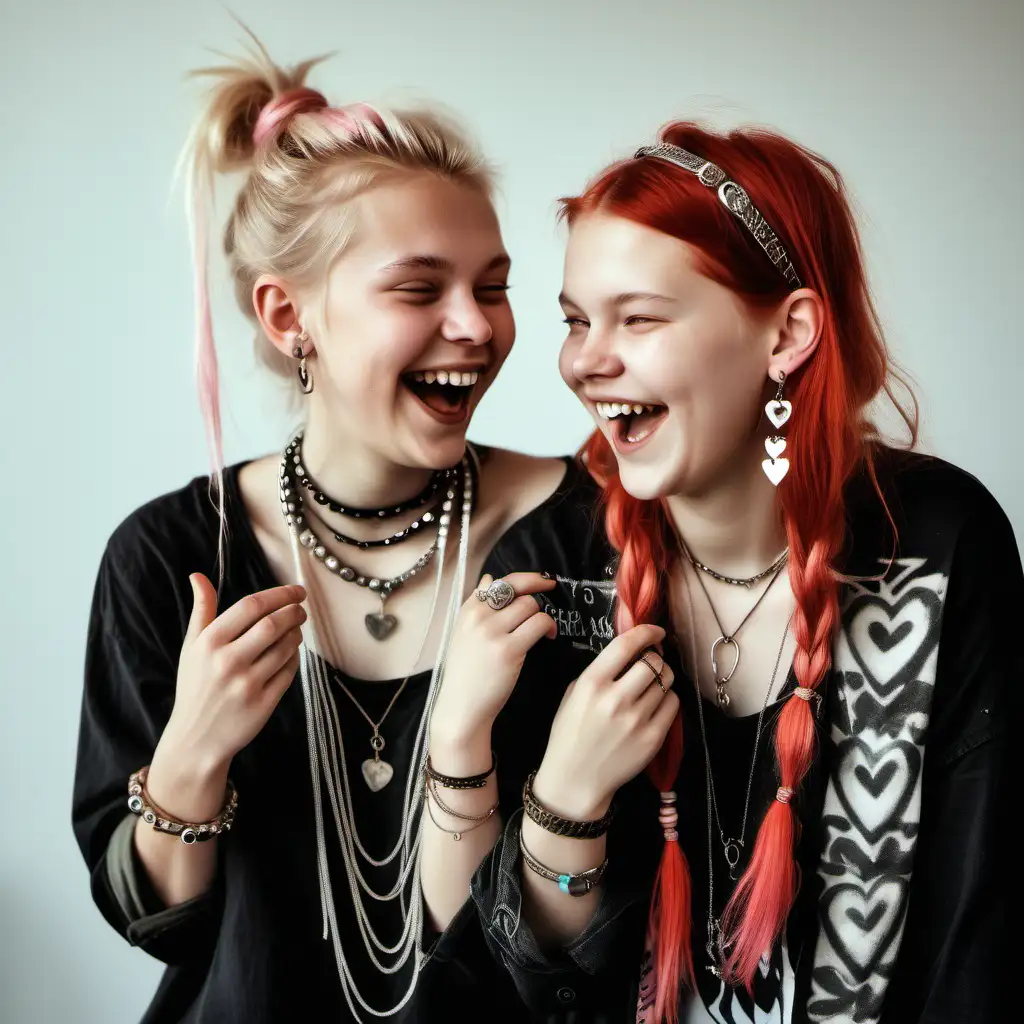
[735, 199]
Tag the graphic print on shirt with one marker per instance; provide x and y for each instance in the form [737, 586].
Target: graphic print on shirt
[884, 673]
[583, 611]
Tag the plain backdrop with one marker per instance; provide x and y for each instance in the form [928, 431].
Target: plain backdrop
[918, 103]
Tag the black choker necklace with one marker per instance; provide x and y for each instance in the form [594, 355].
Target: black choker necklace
[411, 530]
[380, 624]
[437, 478]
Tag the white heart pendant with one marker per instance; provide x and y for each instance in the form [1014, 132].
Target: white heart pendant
[774, 446]
[775, 469]
[377, 774]
[778, 412]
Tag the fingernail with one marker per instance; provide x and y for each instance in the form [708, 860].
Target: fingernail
[546, 576]
[541, 602]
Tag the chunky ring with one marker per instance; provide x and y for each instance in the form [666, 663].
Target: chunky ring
[498, 595]
[657, 672]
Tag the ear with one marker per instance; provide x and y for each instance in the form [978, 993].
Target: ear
[277, 313]
[797, 327]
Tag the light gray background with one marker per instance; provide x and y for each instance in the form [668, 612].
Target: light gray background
[918, 103]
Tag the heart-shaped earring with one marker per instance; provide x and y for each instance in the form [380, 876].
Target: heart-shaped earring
[778, 411]
[775, 469]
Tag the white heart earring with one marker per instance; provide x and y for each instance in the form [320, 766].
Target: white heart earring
[778, 412]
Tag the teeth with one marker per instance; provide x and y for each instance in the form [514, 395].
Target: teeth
[610, 410]
[465, 379]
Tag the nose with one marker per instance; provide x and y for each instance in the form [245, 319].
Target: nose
[596, 357]
[465, 322]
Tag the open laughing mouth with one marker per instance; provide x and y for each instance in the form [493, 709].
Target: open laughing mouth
[443, 394]
[632, 424]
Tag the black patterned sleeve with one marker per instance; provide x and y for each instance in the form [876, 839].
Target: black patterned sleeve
[961, 944]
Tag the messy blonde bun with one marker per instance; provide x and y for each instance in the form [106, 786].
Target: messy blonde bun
[305, 162]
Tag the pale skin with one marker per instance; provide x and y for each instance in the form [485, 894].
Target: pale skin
[422, 286]
[646, 328]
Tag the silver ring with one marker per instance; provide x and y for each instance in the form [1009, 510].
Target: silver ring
[657, 672]
[498, 595]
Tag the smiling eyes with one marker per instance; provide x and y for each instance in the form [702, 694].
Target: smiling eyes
[630, 321]
[423, 293]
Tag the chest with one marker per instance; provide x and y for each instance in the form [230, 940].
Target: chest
[367, 634]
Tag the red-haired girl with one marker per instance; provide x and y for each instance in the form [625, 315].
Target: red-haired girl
[825, 833]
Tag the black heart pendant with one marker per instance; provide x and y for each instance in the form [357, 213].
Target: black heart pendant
[380, 626]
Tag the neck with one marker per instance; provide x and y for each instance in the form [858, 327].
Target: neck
[734, 527]
[354, 473]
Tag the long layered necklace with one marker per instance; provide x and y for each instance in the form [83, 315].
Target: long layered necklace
[329, 773]
[731, 848]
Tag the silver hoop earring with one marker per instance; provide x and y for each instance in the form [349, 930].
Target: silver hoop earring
[305, 377]
[778, 412]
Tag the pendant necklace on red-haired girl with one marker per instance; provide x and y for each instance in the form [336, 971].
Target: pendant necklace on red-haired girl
[728, 639]
[731, 848]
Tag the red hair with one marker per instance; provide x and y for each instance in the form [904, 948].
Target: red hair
[802, 197]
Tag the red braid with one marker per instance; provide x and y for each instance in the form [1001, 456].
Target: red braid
[802, 196]
[638, 531]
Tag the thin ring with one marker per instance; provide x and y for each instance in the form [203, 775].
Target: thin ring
[657, 672]
[500, 594]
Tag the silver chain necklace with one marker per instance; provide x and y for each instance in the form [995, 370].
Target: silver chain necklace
[329, 779]
[736, 581]
[376, 771]
[731, 848]
[726, 639]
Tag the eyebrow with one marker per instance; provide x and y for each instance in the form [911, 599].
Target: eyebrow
[430, 262]
[623, 298]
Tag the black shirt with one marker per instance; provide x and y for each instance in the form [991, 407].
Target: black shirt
[251, 950]
[909, 905]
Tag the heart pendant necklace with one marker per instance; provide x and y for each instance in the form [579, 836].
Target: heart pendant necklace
[380, 625]
[377, 772]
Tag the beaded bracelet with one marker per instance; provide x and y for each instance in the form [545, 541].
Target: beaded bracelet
[140, 802]
[556, 825]
[578, 884]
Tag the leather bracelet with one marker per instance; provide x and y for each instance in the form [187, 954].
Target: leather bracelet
[453, 782]
[556, 825]
[189, 832]
[436, 797]
[578, 884]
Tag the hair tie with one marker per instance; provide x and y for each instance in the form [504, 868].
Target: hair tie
[784, 794]
[669, 816]
[353, 116]
[281, 109]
